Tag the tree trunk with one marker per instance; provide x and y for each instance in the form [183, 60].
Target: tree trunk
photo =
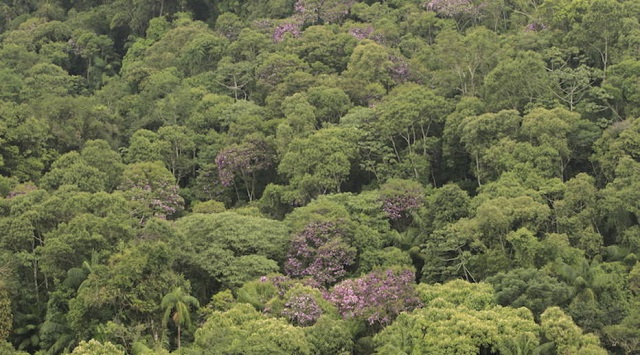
[179, 334]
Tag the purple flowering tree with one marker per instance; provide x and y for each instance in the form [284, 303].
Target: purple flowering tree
[302, 309]
[399, 199]
[361, 32]
[151, 190]
[320, 251]
[241, 162]
[302, 305]
[293, 28]
[377, 297]
[399, 70]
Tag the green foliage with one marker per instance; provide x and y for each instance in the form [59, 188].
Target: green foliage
[460, 293]
[568, 338]
[486, 141]
[319, 164]
[233, 249]
[212, 206]
[457, 321]
[243, 330]
[530, 288]
[329, 336]
[94, 347]
[6, 317]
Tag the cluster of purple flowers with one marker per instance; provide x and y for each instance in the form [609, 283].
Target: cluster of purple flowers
[400, 69]
[161, 198]
[397, 207]
[290, 27]
[361, 33]
[243, 160]
[302, 310]
[320, 251]
[377, 297]
[299, 7]
[535, 27]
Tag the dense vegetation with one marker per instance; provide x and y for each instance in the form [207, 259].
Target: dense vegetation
[320, 176]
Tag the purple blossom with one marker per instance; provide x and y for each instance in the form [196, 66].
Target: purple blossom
[397, 207]
[243, 161]
[361, 33]
[155, 198]
[535, 27]
[377, 297]
[281, 30]
[400, 69]
[302, 310]
[320, 252]
[299, 8]
[400, 197]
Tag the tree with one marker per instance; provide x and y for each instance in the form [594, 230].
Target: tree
[71, 169]
[94, 347]
[330, 103]
[244, 162]
[565, 132]
[151, 191]
[320, 252]
[129, 289]
[517, 82]
[325, 50]
[180, 150]
[401, 198]
[618, 141]
[478, 133]
[376, 298]
[145, 145]
[176, 305]
[568, 338]
[98, 154]
[409, 119]
[464, 12]
[370, 64]
[222, 331]
[329, 336]
[461, 62]
[24, 152]
[622, 85]
[450, 252]
[530, 288]
[598, 31]
[228, 249]
[457, 322]
[321, 163]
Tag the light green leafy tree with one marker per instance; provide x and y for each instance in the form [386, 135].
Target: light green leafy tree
[568, 338]
[94, 347]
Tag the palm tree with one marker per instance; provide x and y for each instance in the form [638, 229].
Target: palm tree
[176, 306]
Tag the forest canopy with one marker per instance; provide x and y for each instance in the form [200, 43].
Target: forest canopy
[319, 177]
